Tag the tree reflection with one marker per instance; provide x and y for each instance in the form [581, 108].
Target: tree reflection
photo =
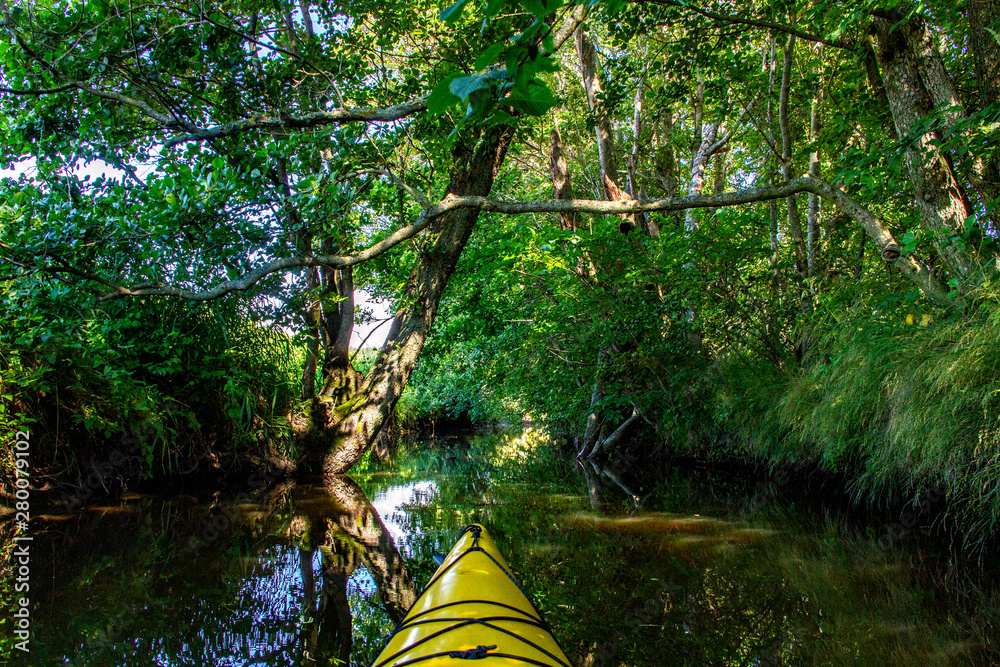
[281, 578]
[348, 533]
[706, 571]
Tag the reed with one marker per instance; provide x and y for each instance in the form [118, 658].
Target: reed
[895, 406]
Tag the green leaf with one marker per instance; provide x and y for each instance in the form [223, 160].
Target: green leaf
[493, 7]
[441, 97]
[546, 64]
[487, 57]
[536, 7]
[453, 13]
[464, 86]
[501, 117]
[535, 102]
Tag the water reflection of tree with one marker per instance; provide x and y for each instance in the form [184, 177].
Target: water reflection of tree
[351, 536]
[131, 591]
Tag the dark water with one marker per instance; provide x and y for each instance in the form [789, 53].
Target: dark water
[694, 570]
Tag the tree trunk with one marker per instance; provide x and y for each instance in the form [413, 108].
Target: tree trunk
[984, 25]
[699, 165]
[616, 438]
[787, 167]
[313, 317]
[589, 68]
[562, 181]
[771, 58]
[666, 156]
[592, 86]
[313, 314]
[645, 221]
[340, 380]
[348, 437]
[812, 214]
[592, 431]
[939, 200]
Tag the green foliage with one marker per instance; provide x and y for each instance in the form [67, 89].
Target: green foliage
[171, 375]
[707, 333]
[899, 405]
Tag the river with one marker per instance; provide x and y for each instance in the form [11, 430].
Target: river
[686, 568]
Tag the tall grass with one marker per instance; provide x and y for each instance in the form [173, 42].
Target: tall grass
[898, 407]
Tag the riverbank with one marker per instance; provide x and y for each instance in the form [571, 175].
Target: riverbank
[903, 414]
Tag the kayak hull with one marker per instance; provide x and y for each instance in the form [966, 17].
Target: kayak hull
[472, 609]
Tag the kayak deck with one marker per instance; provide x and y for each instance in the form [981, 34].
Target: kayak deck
[472, 609]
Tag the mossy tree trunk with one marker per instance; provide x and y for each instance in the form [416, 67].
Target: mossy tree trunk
[344, 432]
[939, 199]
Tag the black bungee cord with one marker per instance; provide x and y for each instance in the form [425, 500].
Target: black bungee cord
[480, 652]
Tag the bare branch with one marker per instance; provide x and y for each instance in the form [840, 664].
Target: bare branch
[568, 27]
[304, 121]
[888, 247]
[277, 266]
[769, 25]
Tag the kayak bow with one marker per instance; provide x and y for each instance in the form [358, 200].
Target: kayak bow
[472, 609]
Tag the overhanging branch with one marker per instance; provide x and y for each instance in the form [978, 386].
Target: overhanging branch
[888, 247]
[304, 121]
[883, 238]
[277, 266]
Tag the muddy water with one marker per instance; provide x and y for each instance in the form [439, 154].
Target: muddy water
[687, 569]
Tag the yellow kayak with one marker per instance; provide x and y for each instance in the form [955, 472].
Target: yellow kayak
[472, 609]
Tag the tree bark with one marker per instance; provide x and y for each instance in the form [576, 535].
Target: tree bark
[562, 181]
[312, 315]
[984, 22]
[616, 438]
[877, 231]
[699, 164]
[357, 430]
[646, 222]
[666, 156]
[787, 166]
[592, 86]
[939, 199]
[771, 58]
[340, 380]
[592, 430]
[813, 212]
[589, 71]
[984, 26]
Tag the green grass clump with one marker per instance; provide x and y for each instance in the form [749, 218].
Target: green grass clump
[898, 407]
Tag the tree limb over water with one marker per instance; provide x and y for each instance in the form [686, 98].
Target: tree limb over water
[877, 231]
